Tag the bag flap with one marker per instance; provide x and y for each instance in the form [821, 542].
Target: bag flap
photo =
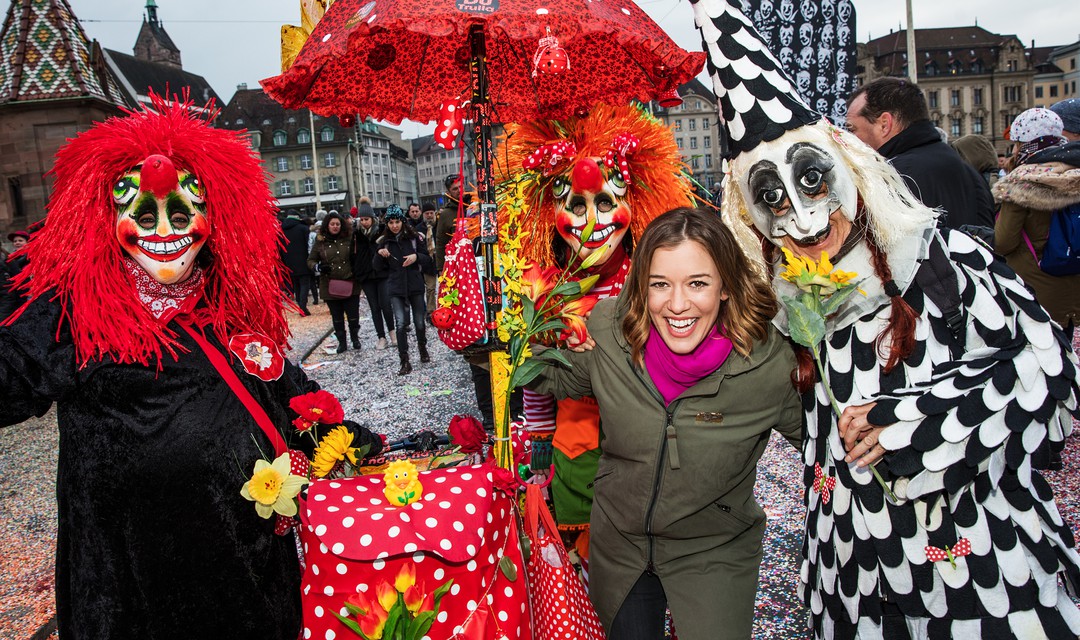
[354, 518]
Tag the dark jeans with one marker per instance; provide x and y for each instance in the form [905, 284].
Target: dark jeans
[379, 302]
[301, 285]
[345, 307]
[641, 616]
[401, 319]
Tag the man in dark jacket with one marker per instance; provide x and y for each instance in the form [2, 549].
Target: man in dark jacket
[294, 255]
[444, 230]
[890, 115]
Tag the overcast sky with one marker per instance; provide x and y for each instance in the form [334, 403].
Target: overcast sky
[233, 41]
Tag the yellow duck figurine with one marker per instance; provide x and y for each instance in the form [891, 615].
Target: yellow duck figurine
[402, 483]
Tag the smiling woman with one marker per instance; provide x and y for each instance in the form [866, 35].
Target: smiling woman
[690, 380]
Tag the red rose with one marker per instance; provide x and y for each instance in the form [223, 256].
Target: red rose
[467, 434]
[316, 407]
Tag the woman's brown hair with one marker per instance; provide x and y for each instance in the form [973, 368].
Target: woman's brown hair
[750, 306]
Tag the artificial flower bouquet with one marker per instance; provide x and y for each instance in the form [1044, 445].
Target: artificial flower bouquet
[404, 610]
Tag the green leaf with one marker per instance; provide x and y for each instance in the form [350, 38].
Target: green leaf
[441, 591]
[551, 325]
[506, 565]
[393, 619]
[524, 374]
[570, 288]
[528, 310]
[420, 625]
[355, 610]
[837, 299]
[350, 624]
[526, 546]
[557, 356]
[805, 327]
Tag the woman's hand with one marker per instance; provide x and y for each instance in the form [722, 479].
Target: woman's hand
[860, 437]
[384, 252]
[409, 259]
[573, 344]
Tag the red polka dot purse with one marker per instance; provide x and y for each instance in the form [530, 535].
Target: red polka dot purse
[561, 609]
[460, 294]
[360, 534]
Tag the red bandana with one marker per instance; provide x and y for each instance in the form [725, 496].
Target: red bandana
[166, 301]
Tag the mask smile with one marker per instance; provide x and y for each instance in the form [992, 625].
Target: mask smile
[818, 238]
[164, 249]
[599, 235]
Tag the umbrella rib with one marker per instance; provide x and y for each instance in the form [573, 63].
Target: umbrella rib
[419, 72]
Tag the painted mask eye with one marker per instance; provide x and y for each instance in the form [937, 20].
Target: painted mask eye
[811, 180]
[560, 188]
[125, 189]
[617, 180]
[773, 197]
[191, 185]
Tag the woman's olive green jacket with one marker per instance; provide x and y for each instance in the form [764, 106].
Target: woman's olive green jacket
[674, 492]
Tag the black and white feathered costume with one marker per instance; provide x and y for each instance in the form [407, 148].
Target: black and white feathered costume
[962, 413]
[961, 437]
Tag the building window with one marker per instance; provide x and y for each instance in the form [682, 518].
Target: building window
[285, 188]
[305, 162]
[280, 138]
[932, 99]
[693, 142]
[977, 66]
[303, 136]
[281, 164]
[693, 124]
[678, 124]
[1053, 91]
[705, 124]
[327, 134]
[954, 97]
[976, 96]
[330, 159]
[331, 183]
[309, 185]
[256, 139]
[977, 125]
[678, 141]
[708, 142]
[1011, 65]
[694, 163]
[954, 127]
[1038, 92]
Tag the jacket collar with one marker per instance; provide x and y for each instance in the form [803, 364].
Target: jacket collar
[917, 134]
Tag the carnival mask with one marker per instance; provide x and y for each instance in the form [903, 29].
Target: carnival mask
[792, 189]
[161, 218]
[591, 192]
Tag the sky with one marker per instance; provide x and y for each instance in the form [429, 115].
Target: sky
[238, 41]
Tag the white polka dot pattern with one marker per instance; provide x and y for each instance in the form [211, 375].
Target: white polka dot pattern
[469, 315]
[560, 606]
[441, 544]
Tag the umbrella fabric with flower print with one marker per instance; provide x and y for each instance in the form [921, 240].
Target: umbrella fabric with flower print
[398, 59]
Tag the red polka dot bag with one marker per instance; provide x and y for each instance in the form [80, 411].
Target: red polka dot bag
[461, 315]
[561, 608]
[367, 539]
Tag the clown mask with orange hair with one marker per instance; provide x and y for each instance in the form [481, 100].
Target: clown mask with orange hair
[615, 169]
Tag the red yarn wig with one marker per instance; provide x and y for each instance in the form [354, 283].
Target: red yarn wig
[77, 259]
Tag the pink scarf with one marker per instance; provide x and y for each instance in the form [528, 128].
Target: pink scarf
[674, 373]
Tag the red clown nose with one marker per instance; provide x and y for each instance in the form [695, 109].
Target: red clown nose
[587, 176]
[158, 176]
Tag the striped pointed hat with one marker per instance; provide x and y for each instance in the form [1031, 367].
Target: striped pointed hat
[757, 99]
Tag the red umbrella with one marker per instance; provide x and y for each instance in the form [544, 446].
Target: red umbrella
[398, 59]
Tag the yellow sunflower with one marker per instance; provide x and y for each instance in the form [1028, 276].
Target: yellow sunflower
[334, 447]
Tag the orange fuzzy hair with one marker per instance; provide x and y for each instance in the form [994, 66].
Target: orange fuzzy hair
[77, 260]
[657, 183]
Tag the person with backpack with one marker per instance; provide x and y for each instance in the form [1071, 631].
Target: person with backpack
[1044, 184]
